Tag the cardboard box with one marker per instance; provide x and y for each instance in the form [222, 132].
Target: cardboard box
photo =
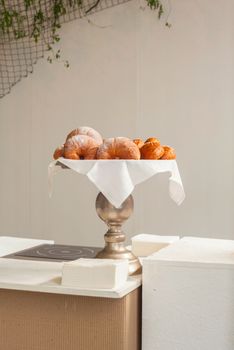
[188, 296]
[43, 321]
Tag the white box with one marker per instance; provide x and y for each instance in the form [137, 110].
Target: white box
[188, 296]
[95, 273]
[147, 244]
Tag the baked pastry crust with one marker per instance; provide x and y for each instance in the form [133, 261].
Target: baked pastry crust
[152, 150]
[86, 143]
[80, 147]
[59, 152]
[138, 142]
[153, 139]
[118, 148]
[169, 153]
[86, 130]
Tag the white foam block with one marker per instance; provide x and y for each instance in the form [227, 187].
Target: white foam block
[28, 272]
[95, 273]
[147, 244]
[188, 296]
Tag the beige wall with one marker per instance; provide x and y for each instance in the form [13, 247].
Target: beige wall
[135, 78]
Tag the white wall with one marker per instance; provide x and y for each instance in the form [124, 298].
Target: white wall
[134, 78]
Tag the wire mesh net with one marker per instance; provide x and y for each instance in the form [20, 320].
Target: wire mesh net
[19, 51]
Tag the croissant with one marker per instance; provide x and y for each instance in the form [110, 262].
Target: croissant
[151, 150]
[86, 130]
[138, 142]
[169, 153]
[118, 148]
[80, 147]
[59, 152]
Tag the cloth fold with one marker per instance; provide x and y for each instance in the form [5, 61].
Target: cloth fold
[116, 179]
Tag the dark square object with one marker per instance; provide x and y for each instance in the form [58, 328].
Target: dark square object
[56, 252]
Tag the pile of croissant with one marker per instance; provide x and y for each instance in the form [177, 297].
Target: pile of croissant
[86, 143]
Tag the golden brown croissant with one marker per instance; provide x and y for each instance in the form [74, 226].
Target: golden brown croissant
[118, 148]
[80, 147]
[151, 150]
[58, 152]
[153, 139]
[169, 153]
[138, 142]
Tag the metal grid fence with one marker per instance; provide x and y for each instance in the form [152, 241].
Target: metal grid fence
[17, 56]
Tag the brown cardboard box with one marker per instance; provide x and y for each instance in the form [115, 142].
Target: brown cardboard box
[43, 321]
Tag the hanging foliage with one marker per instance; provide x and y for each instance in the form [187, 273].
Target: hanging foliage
[29, 28]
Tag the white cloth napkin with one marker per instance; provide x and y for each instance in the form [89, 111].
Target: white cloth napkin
[116, 179]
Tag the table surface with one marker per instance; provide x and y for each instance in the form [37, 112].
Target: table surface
[44, 276]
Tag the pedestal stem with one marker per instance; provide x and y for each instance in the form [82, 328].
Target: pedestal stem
[115, 237]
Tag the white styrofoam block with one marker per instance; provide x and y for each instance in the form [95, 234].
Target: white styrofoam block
[28, 272]
[147, 244]
[95, 273]
[188, 296]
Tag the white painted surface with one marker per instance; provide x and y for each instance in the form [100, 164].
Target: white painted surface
[45, 277]
[188, 296]
[135, 78]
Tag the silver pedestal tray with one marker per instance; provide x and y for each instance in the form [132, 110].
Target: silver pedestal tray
[115, 237]
[132, 171]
